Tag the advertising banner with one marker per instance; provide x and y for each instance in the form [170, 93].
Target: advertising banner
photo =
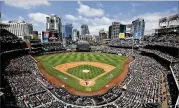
[128, 35]
[53, 37]
[121, 35]
[45, 36]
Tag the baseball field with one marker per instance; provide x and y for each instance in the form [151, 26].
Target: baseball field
[83, 71]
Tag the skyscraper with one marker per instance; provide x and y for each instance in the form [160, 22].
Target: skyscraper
[75, 35]
[115, 30]
[138, 28]
[122, 28]
[110, 32]
[78, 34]
[84, 29]
[54, 25]
[68, 31]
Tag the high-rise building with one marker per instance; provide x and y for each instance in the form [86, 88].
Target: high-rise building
[84, 30]
[67, 31]
[54, 25]
[102, 35]
[78, 34]
[110, 32]
[75, 35]
[138, 28]
[122, 28]
[115, 30]
[21, 29]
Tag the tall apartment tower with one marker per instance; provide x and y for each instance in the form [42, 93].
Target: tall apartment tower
[138, 28]
[84, 30]
[21, 29]
[115, 30]
[68, 31]
[110, 32]
[53, 24]
[75, 35]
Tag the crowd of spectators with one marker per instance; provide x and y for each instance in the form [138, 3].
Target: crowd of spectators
[52, 46]
[175, 68]
[11, 42]
[35, 46]
[168, 40]
[119, 51]
[124, 43]
[161, 54]
[28, 85]
[98, 100]
[143, 83]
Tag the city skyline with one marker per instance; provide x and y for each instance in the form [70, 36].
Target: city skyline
[96, 15]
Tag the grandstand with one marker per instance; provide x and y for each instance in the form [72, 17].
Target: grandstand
[36, 46]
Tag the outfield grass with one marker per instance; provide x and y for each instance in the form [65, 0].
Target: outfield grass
[49, 61]
[78, 71]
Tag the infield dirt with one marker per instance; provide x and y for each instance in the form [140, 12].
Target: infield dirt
[64, 68]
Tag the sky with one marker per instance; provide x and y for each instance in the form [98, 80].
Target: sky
[96, 14]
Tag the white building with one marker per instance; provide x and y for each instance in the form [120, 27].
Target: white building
[115, 30]
[75, 34]
[21, 29]
[53, 23]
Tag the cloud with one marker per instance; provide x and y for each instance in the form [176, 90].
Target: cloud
[20, 18]
[95, 29]
[38, 20]
[88, 11]
[3, 16]
[91, 21]
[71, 17]
[134, 4]
[38, 17]
[99, 4]
[26, 4]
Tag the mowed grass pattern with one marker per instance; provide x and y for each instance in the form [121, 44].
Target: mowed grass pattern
[52, 60]
[78, 71]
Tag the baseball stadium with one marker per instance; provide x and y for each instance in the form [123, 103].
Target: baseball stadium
[65, 68]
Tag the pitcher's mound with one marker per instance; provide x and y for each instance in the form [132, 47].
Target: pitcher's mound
[85, 71]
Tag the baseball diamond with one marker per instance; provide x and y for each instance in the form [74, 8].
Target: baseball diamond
[83, 71]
